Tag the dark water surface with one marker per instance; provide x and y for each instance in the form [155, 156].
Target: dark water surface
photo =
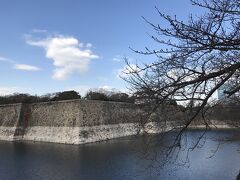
[218, 157]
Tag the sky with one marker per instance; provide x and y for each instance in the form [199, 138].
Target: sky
[56, 45]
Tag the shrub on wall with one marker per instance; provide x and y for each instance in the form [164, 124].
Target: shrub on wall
[109, 96]
[66, 95]
[121, 97]
[18, 98]
[26, 98]
[91, 95]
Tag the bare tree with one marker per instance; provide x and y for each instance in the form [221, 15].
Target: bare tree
[199, 56]
[196, 59]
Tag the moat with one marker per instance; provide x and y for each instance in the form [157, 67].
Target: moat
[124, 158]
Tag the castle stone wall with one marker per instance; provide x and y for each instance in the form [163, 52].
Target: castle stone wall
[80, 121]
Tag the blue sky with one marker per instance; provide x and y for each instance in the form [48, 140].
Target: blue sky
[55, 45]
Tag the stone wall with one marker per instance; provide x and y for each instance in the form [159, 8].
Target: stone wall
[72, 122]
[9, 114]
[80, 121]
[79, 113]
[227, 113]
[9, 119]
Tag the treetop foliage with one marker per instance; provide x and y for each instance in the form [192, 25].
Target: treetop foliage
[67, 95]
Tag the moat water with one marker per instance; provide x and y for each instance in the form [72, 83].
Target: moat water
[216, 156]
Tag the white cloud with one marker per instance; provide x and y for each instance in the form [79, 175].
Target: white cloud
[26, 67]
[67, 53]
[23, 67]
[127, 70]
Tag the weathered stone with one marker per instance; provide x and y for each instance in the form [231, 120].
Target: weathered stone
[80, 121]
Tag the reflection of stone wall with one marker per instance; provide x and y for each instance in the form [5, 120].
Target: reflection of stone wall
[80, 121]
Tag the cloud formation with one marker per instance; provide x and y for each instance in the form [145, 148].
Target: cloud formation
[25, 67]
[67, 53]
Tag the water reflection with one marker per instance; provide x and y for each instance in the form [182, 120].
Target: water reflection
[126, 158]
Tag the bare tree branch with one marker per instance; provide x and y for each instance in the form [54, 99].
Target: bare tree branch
[198, 58]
